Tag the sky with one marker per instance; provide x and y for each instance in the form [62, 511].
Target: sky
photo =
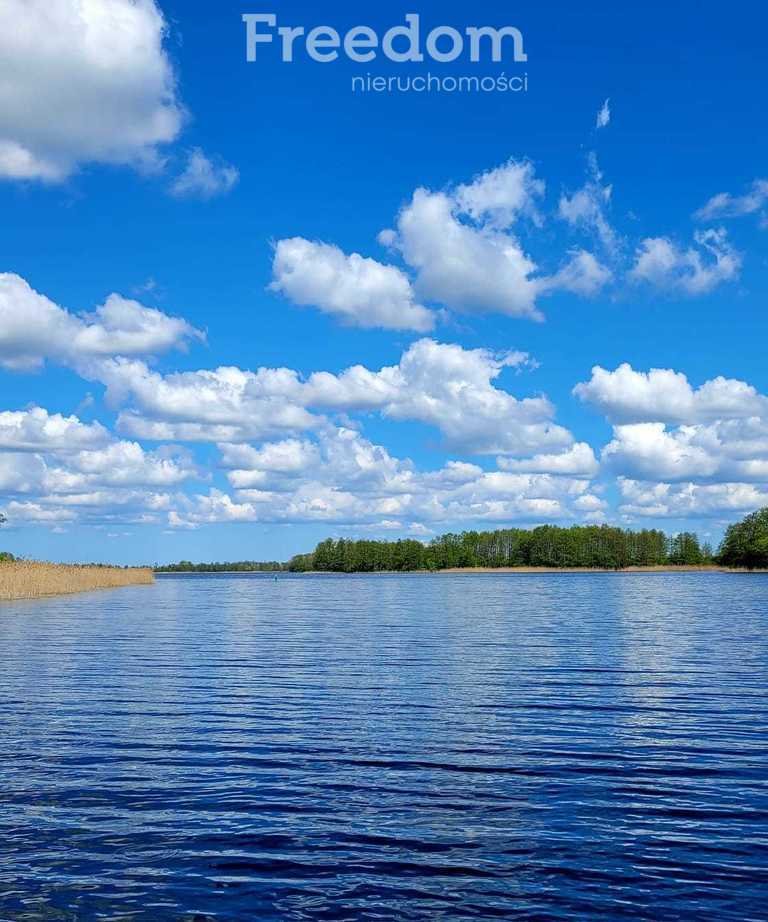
[246, 305]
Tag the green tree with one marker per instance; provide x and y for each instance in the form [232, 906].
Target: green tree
[684, 550]
[746, 543]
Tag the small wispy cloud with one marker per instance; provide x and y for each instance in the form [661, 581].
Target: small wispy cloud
[604, 115]
[725, 205]
[204, 178]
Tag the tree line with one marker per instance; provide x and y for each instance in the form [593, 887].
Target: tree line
[598, 546]
[237, 566]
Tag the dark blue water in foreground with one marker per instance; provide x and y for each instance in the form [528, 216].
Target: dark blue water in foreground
[568, 746]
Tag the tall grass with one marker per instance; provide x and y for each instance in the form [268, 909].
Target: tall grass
[23, 579]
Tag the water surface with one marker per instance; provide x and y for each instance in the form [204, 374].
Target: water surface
[560, 746]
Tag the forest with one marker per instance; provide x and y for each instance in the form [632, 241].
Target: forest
[599, 546]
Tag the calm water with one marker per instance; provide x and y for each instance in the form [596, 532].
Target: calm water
[568, 746]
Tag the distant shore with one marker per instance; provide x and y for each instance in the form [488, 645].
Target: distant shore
[661, 568]
[665, 568]
[22, 579]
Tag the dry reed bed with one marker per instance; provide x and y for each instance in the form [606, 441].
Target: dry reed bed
[26, 580]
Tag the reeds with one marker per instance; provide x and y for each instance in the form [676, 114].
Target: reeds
[23, 579]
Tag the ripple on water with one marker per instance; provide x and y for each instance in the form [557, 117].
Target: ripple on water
[378, 747]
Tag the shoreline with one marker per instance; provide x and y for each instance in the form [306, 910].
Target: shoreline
[23, 580]
[664, 568]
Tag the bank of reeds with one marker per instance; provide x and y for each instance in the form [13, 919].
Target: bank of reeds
[23, 579]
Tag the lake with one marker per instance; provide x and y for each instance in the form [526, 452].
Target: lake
[561, 746]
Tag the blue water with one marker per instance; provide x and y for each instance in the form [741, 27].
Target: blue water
[567, 746]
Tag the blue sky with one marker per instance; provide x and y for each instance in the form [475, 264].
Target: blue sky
[222, 202]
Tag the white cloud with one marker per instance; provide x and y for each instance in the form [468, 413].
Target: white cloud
[689, 500]
[444, 386]
[126, 464]
[664, 395]
[587, 208]
[725, 205]
[359, 290]
[341, 458]
[462, 266]
[83, 81]
[36, 429]
[346, 479]
[223, 404]
[452, 389]
[682, 451]
[577, 461]
[28, 513]
[603, 118]
[65, 469]
[20, 473]
[583, 274]
[204, 178]
[694, 271]
[647, 451]
[722, 451]
[33, 328]
[499, 196]
[291, 456]
[460, 245]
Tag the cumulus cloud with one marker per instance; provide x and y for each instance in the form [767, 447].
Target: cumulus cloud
[344, 478]
[126, 464]
[452, 389]
[577, 461]
[77, 471]
[665, 395]
[724, 450]
[462, 266]
[222, 404]
[725, 205]
[55, 468]
[695, 270]
[689, 500]
[204, 177]
[603, 118]
[83, 82]
[359, 290]
[441, 385]
[35, 429]
[33, 328]
[498, 196]
[460, 244]
[680, 450]
[20, 474]
[647, 451]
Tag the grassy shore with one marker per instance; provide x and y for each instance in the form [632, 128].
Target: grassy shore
[25, 580]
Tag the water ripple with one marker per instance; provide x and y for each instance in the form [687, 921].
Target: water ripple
[379, 747]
